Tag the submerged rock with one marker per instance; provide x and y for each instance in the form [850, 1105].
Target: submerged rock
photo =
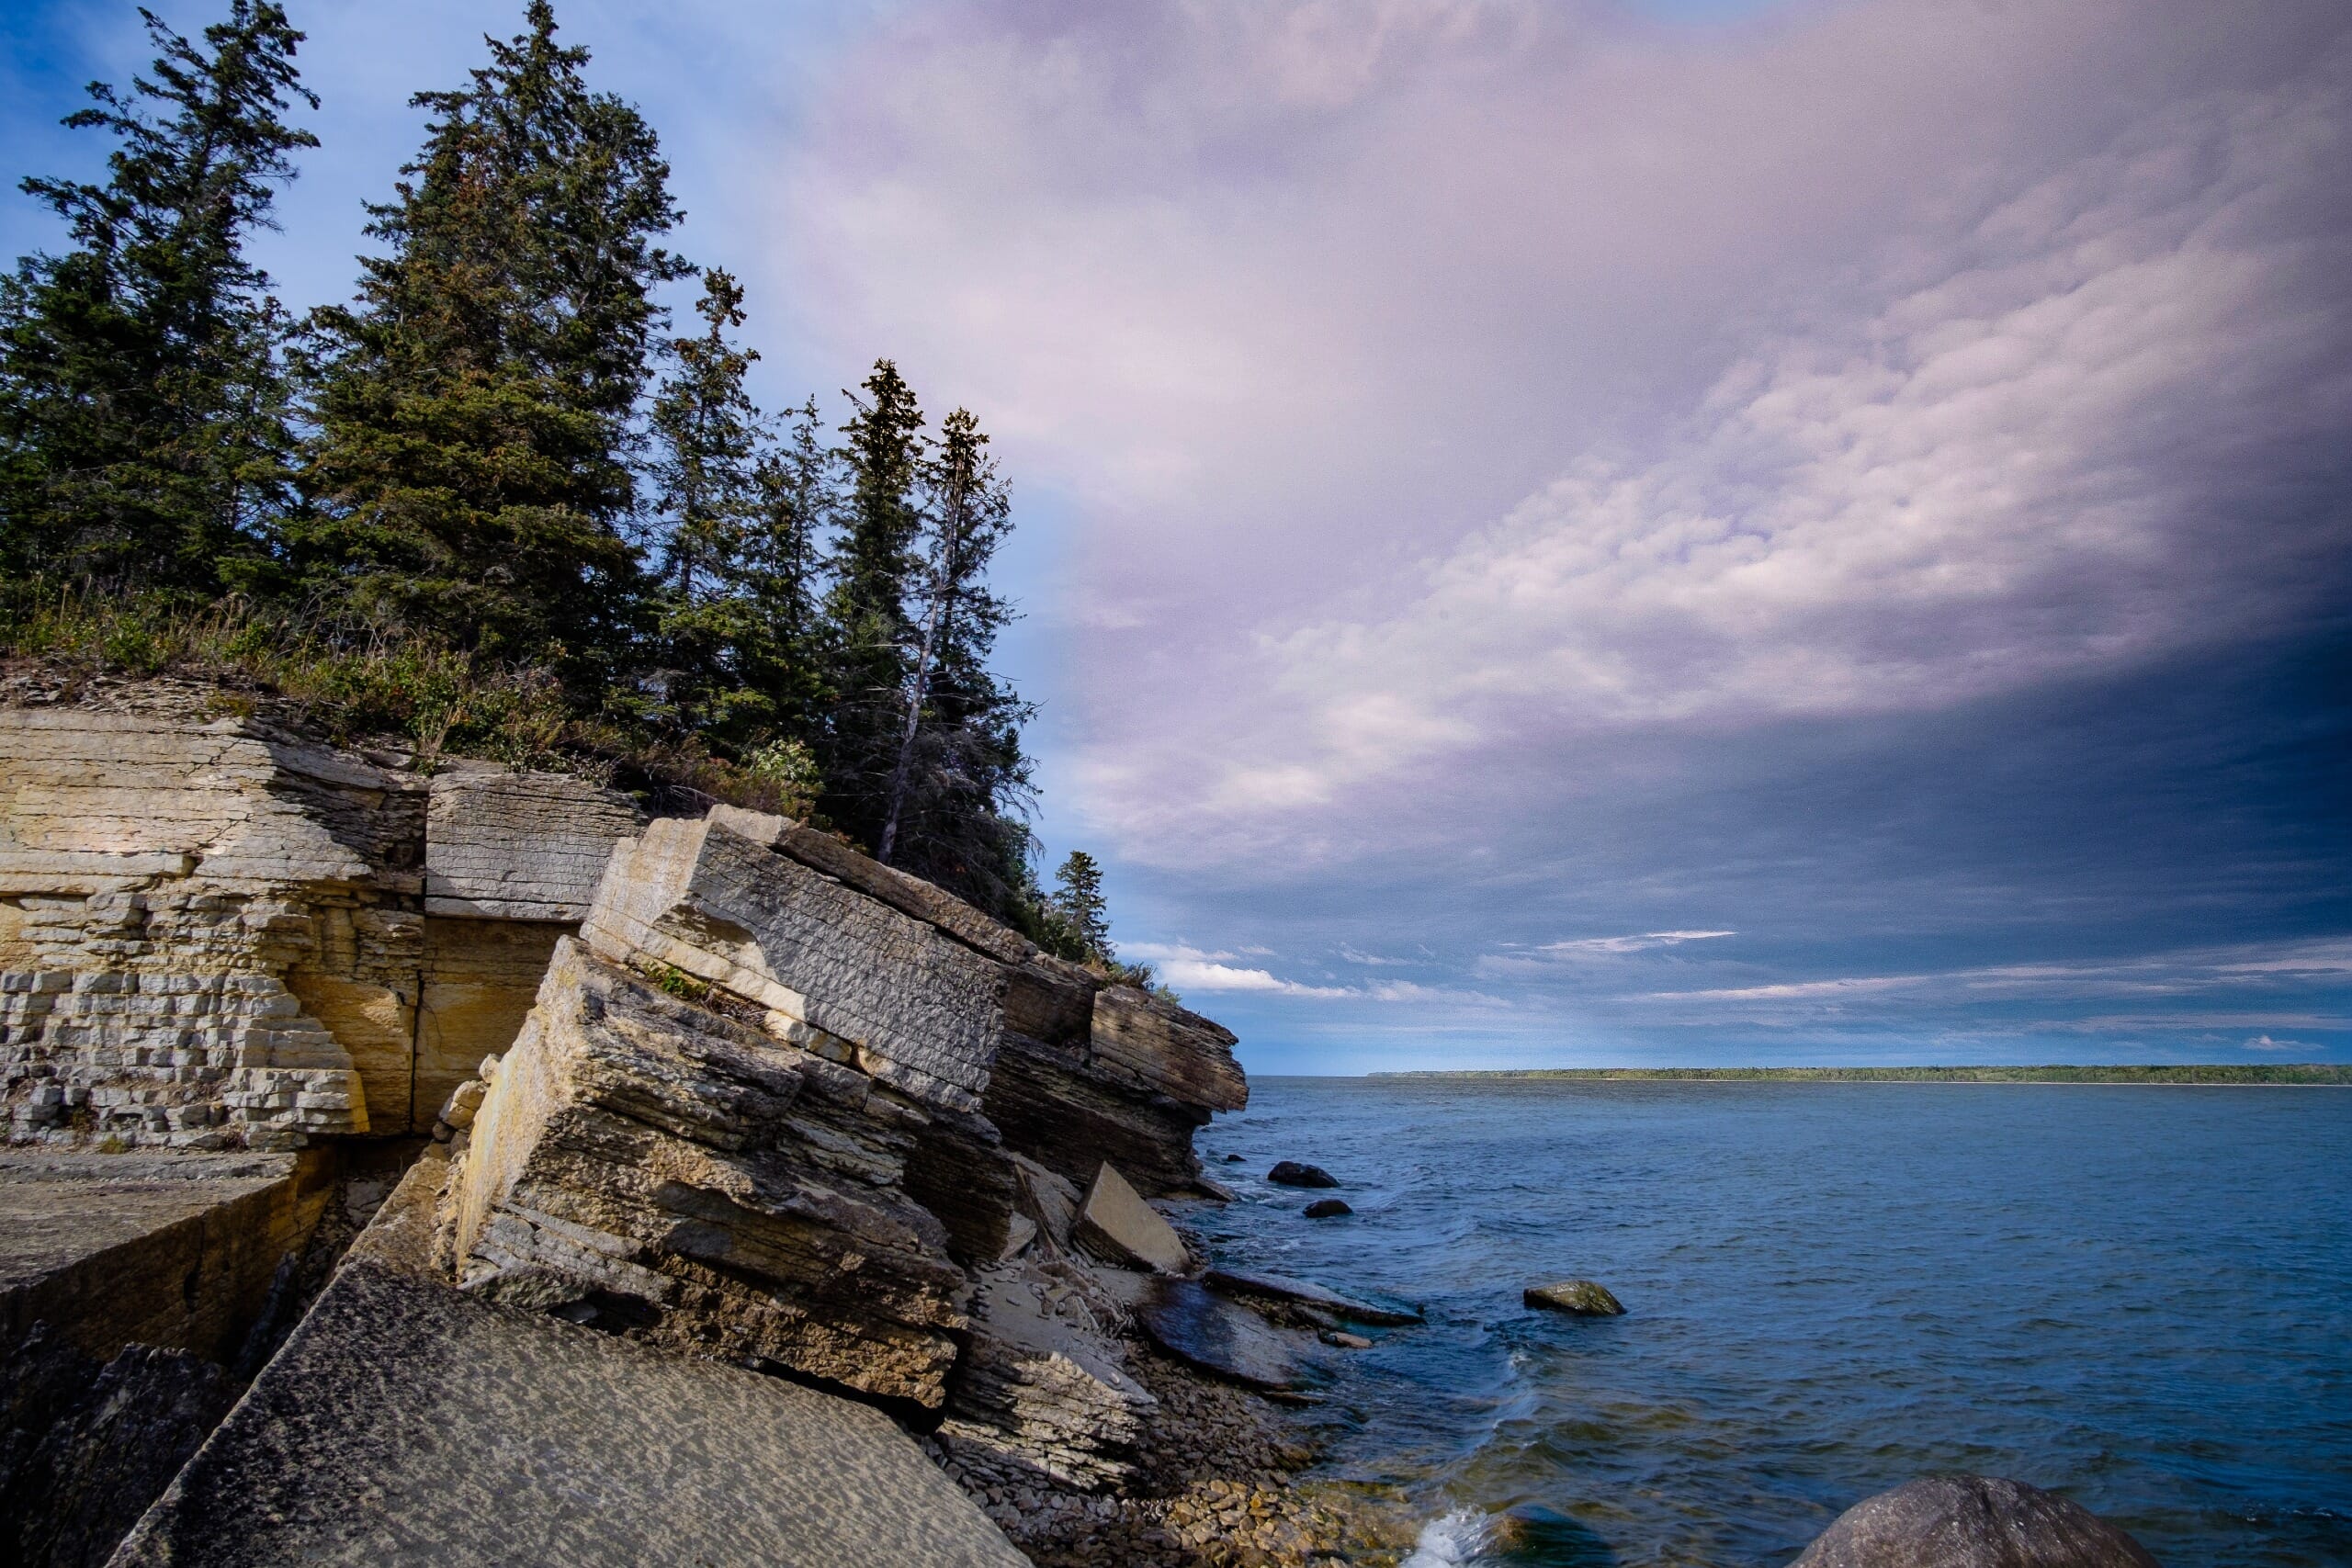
[1326, 1209]
[1306, 1292]
[1971, 1521]
[1195, 1325]
[1291, 1173]
[1581, 1297]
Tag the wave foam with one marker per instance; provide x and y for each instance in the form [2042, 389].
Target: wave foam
[1451, 1539]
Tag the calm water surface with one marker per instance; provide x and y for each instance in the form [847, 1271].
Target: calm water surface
[2140, 1297]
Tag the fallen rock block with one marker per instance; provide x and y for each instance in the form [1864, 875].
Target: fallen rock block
[821, 966]
[1582, 1298]
[1043, 1386]
[1326, 1209]
[1291, 1173]
[708, 1186]
[1122, 1228]
[1971, 1521]
[172, 1250]
[1281, 1288]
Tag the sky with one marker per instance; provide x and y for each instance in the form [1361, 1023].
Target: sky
[1707, 532]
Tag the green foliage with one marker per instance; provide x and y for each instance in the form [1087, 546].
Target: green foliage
[1078, 900]
[143, 429]
[472, 473]
[457, 514]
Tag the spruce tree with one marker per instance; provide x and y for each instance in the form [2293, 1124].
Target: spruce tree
[143, 435]
[1078, 900]
[797, 494]
[869, 628]
[472, 475]
[959, 781]
[705, 433]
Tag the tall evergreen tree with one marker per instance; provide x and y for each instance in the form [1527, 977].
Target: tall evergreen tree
[869, 625]
[958, 781]
[797, 483]
[706, 438]
[473, 470]
[1085, 914]
[143, 435]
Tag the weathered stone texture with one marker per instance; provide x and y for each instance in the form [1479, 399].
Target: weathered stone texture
[739, 1193]
[172, 1250]
[510, 846]
[404, 1424]
[214, 935]
[1044, 1384]
[917, 1009]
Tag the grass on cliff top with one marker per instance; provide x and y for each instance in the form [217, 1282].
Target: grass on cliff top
[427, 699]
[2214, 1073]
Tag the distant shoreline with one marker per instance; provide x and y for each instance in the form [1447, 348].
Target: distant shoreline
[2282, 1074]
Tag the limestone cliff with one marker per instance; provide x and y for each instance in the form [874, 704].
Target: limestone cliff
[215, 934]
[719, 1085]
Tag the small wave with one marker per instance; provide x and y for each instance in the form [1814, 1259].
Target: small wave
[1454, 1538]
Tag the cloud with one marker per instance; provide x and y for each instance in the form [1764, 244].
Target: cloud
[1372, 960]
[1642, 943]
[1446, 382]
[2264, 1043]
[1193, 975]
[1169, 952]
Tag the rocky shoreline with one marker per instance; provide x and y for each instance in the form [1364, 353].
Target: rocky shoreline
[714, 1089]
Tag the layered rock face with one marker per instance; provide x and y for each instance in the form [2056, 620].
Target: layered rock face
[753, 1113]
[213, 935]
[724, 1088]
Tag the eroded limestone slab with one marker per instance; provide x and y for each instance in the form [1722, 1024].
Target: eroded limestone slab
[404, 1423]
[745, 1196]
[519, 846]
[1119, 1226]
[919, 1009]
[170, 1250]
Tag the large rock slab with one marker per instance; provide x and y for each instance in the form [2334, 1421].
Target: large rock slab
[519, 846]
[712, 1185]
[1971, 1521]
[913, 1006]
[177, 1251]
[1251, 1286]
[404, 1423]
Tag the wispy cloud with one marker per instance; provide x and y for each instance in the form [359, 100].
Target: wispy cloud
[1642, 943]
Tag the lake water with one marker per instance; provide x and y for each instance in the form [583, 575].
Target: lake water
[2140, 1297]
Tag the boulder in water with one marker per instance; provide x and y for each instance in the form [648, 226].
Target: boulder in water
[1291, 1173]
[1581, 1297]
[1327, 1209]
[1971, 1521]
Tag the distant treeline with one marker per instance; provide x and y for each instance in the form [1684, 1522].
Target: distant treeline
[496, 503]
[2263, 1073]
